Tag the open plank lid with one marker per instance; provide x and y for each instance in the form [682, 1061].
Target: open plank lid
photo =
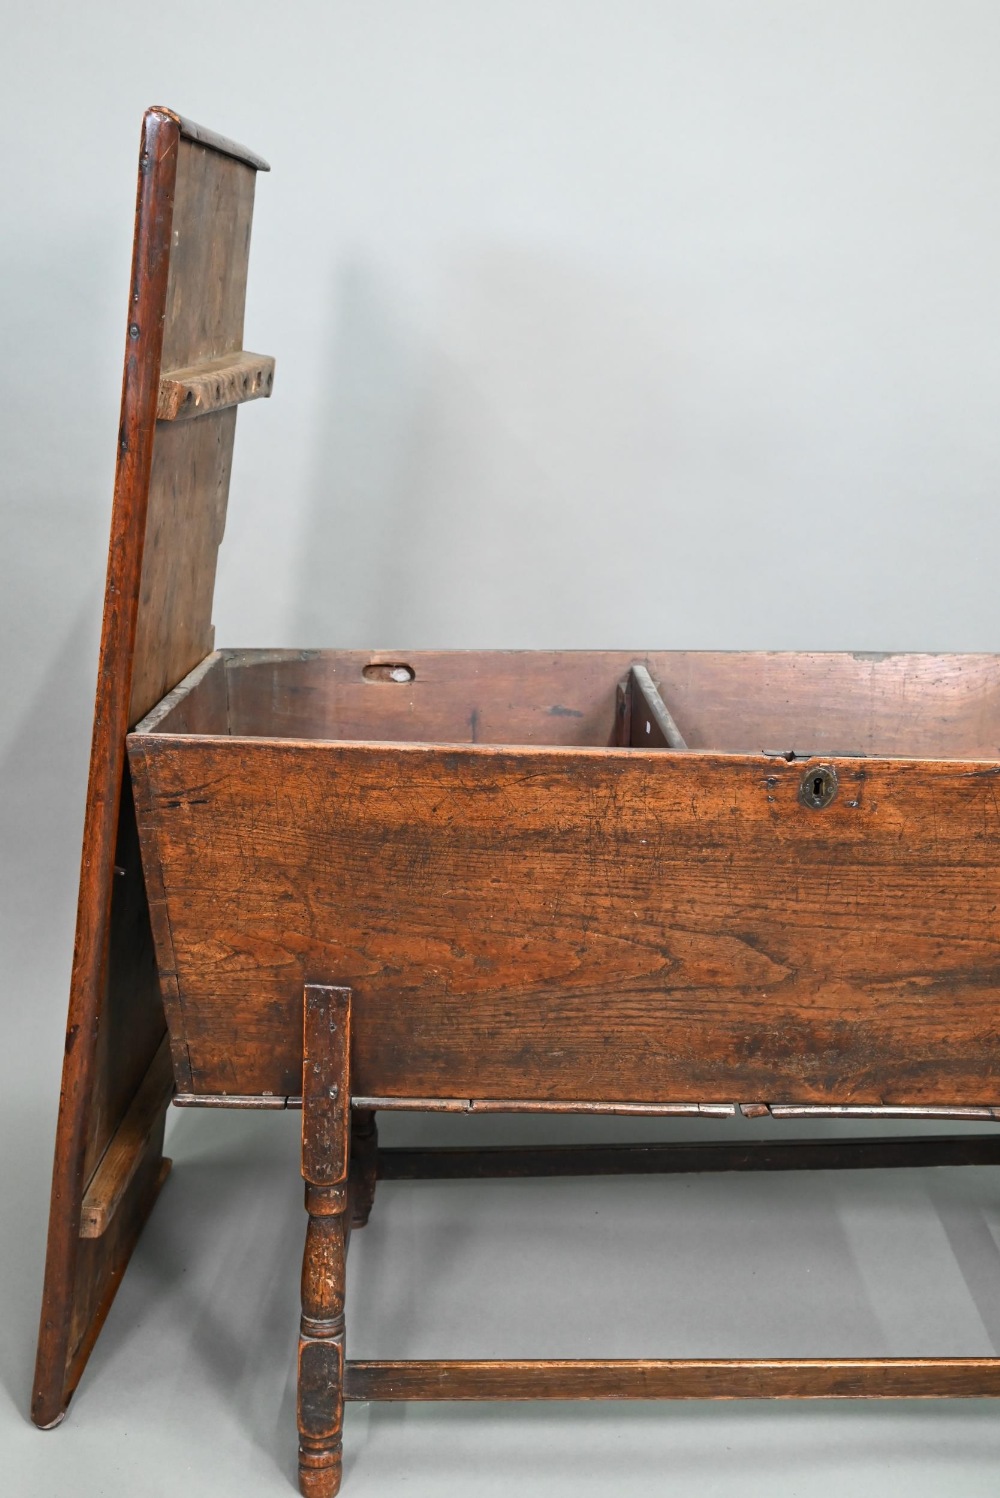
[185, 364]
[186, 372]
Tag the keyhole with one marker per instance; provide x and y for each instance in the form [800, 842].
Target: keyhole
[818, 787]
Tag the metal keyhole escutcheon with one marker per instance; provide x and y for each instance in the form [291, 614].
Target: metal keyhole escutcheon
[818, 787]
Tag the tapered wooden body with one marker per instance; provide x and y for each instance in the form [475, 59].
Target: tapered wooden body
[579, 921]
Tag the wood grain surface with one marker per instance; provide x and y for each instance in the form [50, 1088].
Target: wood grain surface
[676, 1378]
[326, 1146]
[194, 193]
[123, 1156]
[192, 460]
[229, 380]
[574, 925]
[747, 702]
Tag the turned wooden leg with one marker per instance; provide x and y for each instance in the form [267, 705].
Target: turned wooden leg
[326, 1102]
[364, 1163]
[321, 1344]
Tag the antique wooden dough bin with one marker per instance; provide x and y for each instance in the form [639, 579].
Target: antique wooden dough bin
[661, 883]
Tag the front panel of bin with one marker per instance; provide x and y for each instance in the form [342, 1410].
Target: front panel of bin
[578, 924]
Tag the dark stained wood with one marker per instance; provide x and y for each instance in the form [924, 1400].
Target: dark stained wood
[498, 1162]
[169, 503]
[202, 711]
[326, 1125]
[128, 1147]
[579, 925]
[677, 1378]
[101, 1263]
[220, 143]
[81, 1095]
[326, 1136]
[229, 380]
[621, 734]
[364, 1157]
[189, 486]
[189, 479]
[131, 1024]
[741, 702]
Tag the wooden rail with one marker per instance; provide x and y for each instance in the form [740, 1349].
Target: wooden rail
[127, 1149]
[504, 1161]
[674, 1378]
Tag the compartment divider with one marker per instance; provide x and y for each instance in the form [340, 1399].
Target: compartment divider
[644, 720]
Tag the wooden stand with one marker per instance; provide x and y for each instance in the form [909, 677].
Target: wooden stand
[619, 946]
[337, 1183]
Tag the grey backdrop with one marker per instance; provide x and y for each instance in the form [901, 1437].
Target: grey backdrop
[644, 324]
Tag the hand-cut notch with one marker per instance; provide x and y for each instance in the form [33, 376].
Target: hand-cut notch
[388, 671]
[214, 385]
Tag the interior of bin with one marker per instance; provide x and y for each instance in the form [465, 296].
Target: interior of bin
[791, 703]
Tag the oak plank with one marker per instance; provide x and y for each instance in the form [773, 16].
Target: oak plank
[104, 1061]
[326, 1052]
[194, 192]
[567, 925]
